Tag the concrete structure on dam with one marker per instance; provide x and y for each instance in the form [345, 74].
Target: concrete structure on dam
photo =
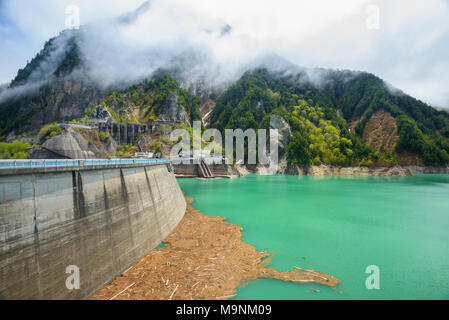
[98, 219]
[194, 170]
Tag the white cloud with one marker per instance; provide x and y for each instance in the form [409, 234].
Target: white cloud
[409, 50]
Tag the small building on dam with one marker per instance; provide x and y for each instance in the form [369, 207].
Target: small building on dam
[93, 220]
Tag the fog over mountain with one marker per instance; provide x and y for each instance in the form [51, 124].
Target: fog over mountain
[218, 39]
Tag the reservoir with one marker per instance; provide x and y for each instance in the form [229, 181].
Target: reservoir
[339, 225]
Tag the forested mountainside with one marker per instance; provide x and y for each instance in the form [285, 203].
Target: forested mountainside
[336, 117]
[347, 118]
[158, 99]
[49, 88]
[54, 86]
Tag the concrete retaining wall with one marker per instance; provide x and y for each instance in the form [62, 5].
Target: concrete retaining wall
[102, 221]
[217, 170]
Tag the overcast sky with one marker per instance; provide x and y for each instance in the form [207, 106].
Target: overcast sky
[404, 42]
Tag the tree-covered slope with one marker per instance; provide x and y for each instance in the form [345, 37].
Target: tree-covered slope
[42, 92]
[160, 98]
[321, 115]
[336, 117]
[60, 56]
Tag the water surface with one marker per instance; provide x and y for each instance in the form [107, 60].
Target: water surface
[340, 225]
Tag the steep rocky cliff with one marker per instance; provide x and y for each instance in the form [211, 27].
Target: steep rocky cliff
[71, 145]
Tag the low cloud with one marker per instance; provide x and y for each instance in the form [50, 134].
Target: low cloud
[220, 38]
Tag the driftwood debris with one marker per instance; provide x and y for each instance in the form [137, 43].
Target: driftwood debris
[205, 259]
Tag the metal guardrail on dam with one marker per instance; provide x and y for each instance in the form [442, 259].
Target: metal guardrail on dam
[17, 164]
[14, 167]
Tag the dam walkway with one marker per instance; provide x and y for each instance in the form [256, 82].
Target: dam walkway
[9, 167]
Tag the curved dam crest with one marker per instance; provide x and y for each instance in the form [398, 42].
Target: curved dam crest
[101, 220]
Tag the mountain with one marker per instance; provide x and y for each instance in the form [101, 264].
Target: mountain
[51, 87]
[336, 117]
[57, 85]
[160, 98]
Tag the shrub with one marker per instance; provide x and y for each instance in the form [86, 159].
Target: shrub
[127, 151]
[15, 150]
[103, 136]
[49, 131]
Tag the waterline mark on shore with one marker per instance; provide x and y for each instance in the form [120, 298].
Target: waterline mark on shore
[373, 280]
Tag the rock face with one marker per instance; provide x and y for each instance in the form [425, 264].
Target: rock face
[381, 132]
[144, 142]
[58, 100]
[279, 123]
[173, 111]
[284, 134]
[101, 114]
[66, 101]
[337, 171]
[72, 145]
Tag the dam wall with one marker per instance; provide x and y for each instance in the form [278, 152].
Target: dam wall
[101, 221]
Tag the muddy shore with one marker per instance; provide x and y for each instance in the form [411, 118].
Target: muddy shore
[325, 170]
[204, 259]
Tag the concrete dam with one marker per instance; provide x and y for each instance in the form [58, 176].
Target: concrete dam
[91, 222]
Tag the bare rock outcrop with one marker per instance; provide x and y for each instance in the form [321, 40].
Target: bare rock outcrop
[381, 132]
[72, 145]
[172, 110]
[284, 131]
[101, 114]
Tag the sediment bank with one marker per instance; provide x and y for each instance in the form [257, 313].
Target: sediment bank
[204, 259]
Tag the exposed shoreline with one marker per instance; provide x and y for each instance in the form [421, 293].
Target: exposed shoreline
[322, 170]
[204, 259]
[231, 171]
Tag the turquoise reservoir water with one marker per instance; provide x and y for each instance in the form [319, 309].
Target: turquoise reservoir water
[340, 225]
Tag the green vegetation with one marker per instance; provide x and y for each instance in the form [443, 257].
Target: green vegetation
[23, 74]
[148, 99]
[319, 135]
[318, 141]
[49, 131]
[71, 60]
[104, 137]
[155, 146]
[127, 151]
[423, 130]
[16, 113]
[18, 121]
[319, 117]
[413, 140]
[15, 150]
